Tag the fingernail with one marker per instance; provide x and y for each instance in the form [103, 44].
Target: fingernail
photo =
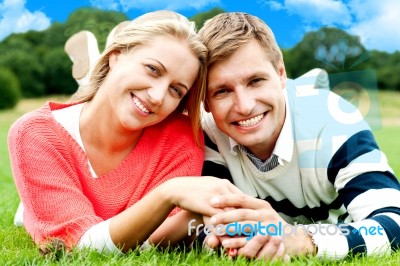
[226, 242]
[215, 201]
[213, 220]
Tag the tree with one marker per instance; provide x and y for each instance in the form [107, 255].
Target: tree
[329, 48]
[57, 72]
[27, 66]
[97, 21]
[9, 89]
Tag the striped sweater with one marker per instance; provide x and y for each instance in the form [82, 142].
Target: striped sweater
[335, 179]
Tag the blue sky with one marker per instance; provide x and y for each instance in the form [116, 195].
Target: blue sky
[377, 22]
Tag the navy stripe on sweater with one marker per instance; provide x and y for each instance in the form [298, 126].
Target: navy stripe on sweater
[360, 143]
[383, 210]
[314, 214]
[354, 239]
[367, 181]
[217, 170]
[391, 228]
[208, 142]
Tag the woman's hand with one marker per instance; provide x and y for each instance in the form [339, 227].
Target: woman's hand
[195, 193]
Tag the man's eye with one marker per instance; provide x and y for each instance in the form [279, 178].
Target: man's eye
[255, 81]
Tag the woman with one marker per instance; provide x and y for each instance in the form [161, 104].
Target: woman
[99, 172]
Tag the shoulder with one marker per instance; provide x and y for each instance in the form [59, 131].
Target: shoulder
[177, 121]
[37, 124]
[173, 128]
[32, 120]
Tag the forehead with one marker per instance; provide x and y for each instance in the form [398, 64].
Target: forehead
[249, 59]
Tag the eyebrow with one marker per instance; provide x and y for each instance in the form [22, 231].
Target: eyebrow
[161, 64]
[246, 78]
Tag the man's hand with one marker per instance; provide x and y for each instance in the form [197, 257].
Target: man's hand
[266, 243]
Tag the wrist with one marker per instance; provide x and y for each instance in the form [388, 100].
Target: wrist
[166, 193]
[300, 244]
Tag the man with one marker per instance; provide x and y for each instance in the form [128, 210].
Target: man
[304, 156]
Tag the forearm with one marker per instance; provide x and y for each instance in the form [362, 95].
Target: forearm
[133, 226]
[176, 229]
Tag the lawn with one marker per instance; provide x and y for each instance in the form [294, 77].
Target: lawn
[16, 247]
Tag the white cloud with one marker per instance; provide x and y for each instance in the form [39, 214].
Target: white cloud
[146, 5]
[106, 4]
[324, 12]
[15, 18]
[275, 5]
[376, 22]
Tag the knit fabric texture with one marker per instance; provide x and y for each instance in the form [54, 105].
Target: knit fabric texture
[61, 198]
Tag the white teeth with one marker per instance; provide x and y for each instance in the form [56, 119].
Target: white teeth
[251, 121]
[140, 105]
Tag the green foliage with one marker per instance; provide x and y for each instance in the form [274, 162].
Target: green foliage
[38, 58]
[97, 21]
[9, 89]
[200, 18]
[57, 73]
[329, 48]
[386, 67]
[27, 66]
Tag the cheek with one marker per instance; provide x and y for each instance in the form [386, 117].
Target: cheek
[170, 104]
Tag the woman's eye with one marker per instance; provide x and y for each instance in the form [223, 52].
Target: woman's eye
[176, 91]
[153, 69]
[221, 91]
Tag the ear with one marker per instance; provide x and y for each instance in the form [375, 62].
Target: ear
[113, 58]
[282, 73]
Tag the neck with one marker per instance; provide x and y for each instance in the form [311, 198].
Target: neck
[100, 130]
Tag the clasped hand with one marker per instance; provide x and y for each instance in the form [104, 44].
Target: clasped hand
[251, 230]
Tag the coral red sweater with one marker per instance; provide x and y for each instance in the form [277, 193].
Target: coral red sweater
[60, 196]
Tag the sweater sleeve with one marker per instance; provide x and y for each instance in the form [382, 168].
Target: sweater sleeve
[371, 195]
[48, 183]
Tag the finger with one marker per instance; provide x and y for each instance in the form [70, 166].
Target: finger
[286, 258]
[233, 189]
[239, 201]
[212, 241]
[205, 210]
[253, 246]
[273, 248]
[232, 252]
[234, 242]
[279, 253]
[238, 215]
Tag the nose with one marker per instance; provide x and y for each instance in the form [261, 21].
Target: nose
[157, 93]
[244, 101]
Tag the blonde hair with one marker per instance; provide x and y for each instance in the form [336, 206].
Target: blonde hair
[142, 31]
[227, 32]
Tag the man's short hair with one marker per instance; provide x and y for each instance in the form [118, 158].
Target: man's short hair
[227, 32]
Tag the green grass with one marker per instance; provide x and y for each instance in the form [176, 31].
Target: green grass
[17, 248]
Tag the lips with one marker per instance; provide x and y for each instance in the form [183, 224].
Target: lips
[252, 121]
[139, 104]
